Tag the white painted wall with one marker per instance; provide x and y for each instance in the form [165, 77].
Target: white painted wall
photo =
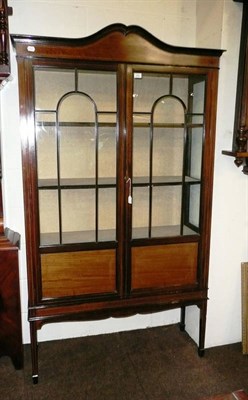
[229, 245]
[179, 22]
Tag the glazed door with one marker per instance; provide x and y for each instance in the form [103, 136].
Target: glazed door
[77, 142]
[165, 146]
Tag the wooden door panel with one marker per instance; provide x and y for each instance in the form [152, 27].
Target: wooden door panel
[78, 273]
[164, 265]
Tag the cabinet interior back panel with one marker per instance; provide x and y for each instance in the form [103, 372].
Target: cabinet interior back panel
[78, 273]
[164, 266]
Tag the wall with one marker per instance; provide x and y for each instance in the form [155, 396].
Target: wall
[229, 218]
[209, 20]
[176, 22]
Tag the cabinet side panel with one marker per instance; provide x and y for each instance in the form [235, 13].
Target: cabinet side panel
[78, 273]
[164, 265]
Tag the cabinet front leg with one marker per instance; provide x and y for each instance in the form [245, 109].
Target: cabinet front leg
[34, 352]
[202, 328]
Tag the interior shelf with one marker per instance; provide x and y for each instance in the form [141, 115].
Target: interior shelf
[107, 235]
[85, 183]
[76, 183]
[52, 238]
[163, 180]
[113, 124]
[161, 231]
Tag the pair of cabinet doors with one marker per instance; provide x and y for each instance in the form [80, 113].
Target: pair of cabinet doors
[119, 173]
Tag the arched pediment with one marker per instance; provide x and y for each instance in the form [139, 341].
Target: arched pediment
[117, 43]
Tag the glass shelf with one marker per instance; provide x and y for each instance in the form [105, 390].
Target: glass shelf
[76, 183]
[80, 183]
[106, 235]
[161, 231]
[113, 124]
[164, 180]
[53, 238]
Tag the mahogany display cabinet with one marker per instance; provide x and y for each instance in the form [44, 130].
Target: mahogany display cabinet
[118, 133]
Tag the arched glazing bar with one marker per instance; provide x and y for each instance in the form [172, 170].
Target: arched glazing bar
[59, 124]
[163, 100]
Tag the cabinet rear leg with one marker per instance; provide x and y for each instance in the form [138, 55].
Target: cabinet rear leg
[182, 319]
[202, 328]
[34, 352]
[18, 361]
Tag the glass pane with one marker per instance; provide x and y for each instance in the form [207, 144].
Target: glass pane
[107, 152]
[198, 95]
[168, 152]
[197, 119]
[78, 215]
[46, 147]
[51, 85]
[101, 86]
[49, 217]
[166, 206]
[76, 108]
[147, 89]
[107, 214]
[141, 152]
[180, 87]
[77, 153]
[169, 110]
[196, 143]
[140, 210]
[194, 205]
[77, 138]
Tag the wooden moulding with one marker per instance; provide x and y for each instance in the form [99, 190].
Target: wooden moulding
[244, 295]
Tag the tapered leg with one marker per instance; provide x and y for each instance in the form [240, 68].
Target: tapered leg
[202, 328]
[182, 320]
[34, 352]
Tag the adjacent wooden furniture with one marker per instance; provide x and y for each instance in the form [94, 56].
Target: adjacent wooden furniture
[10, 313]
[5, 11]
[118, 135]
[240, 131]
